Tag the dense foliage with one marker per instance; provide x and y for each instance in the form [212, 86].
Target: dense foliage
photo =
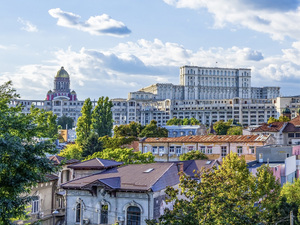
[227, 128]
[192, 155]
[132, 129]
[185, 121]
[71, 151]
[227, 195]
[102, 122]
[23, 160]
[280, 119]
[125, 155]
[152, 130]
[65, 122]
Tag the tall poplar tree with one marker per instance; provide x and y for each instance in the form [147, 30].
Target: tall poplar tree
[84, 123]
[102, 122]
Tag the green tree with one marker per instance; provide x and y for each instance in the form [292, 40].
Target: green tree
[194, 121]
[65, 122]
[84, 123]
[237, 130]
[291, 191]
[192, 155]
[91, 145]
[102, 121]
[152, 130]
[115, 142]
[283, 119]
[46, 126]
[71, 151]
[224, 196]
[185, 121]
[132, 129]
[280, 119]
[221, 127]
[174, 121]
[23, 160]
[125, 155]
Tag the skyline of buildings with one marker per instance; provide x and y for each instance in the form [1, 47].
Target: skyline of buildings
[208, 94]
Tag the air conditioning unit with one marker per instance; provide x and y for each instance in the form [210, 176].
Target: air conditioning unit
[121, 218]
[178, 154]
[160, 154]
[86, 221]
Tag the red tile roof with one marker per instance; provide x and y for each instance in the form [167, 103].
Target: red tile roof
[208, 139]
[95, 164]
[272, 127]
[296, 121]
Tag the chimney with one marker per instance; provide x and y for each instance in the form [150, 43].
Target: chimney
[180, 167]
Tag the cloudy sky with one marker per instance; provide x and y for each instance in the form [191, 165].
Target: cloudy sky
[113, 47]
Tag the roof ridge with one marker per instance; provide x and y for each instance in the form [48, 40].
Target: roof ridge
[171, 164]
[98, 159]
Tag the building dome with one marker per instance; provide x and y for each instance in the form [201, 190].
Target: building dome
[62, 73]
[286, 111]
[49, 92]
[73, 92]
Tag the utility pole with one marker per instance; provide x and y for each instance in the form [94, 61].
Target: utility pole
[291, 218]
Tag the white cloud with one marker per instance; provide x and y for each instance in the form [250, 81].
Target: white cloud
[95, 25]
[27, 26]
[132, 65]
[278, 18]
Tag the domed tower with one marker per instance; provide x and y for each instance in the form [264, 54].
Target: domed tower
[62, 83]
[287, 112]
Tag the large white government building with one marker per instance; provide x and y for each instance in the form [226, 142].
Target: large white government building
[208, 94]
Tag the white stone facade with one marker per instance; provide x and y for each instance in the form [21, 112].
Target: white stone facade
[208, 94]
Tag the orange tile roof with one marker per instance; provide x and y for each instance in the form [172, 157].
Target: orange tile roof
[208, 139]
[296, 121]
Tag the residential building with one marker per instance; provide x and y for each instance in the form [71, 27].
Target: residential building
[127, 194]
[213, 146]
[185, 130]
[285, 133]
[279, 158]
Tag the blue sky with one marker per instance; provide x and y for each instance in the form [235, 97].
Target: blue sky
[113, 47]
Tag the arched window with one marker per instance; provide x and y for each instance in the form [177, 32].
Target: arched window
[133, 215]
[104, 214]
[78, 212]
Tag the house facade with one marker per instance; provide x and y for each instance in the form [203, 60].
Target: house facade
[127, 195]
[213, 146]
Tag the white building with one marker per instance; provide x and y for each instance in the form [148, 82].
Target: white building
[208, 94]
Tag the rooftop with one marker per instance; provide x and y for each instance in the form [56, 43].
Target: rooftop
[208, 139]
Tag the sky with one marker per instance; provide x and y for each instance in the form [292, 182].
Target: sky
[111, 48]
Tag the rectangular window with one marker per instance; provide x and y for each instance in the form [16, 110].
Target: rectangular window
[209, 149]
[239, 150]
[178, 149]
[161, 149]
[202, 149]
[223, 151]
[252, 150]
[172, 149]
[35, 206]
[190, 148]
[154, 149]
[290, 134]
[145, 149]
[297, 134]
